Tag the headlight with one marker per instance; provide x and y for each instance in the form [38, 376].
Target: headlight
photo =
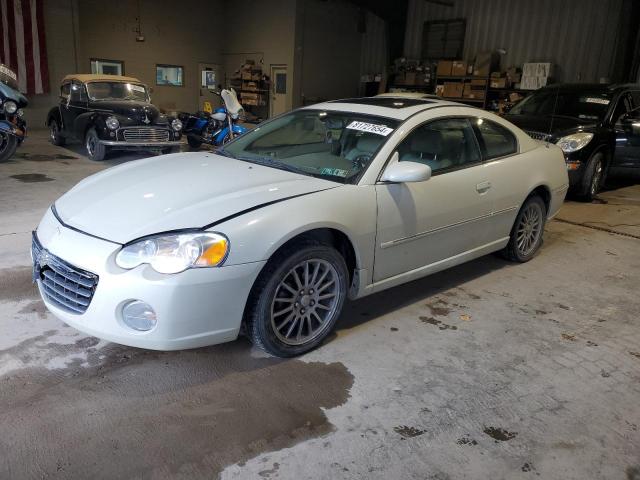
[112, 123]
[174, 253]
[20, 112]
[574, 142]
[10, 107]
[176, 124]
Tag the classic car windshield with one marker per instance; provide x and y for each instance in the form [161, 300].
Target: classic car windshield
[117, 91]
[580, 104]
[334, 145]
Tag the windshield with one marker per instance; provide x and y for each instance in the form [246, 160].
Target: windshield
[337, 146]
[117, 91]
[584, 104]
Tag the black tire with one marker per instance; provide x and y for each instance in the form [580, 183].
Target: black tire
[8, 145]
[54, 134]
[593, 178]
[95, 150]
[194, 143]
[168, 150]
[515, 250]
[260, 326]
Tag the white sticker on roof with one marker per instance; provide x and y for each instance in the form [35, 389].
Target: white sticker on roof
[370, 127]
[601, 101]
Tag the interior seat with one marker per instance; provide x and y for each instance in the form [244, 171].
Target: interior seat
[427, 147]
[365, 145]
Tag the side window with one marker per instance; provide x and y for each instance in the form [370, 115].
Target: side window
[498, 141]
[441, 144]
[635, 97]
[78, 93]
[622, 107]
[65, 90]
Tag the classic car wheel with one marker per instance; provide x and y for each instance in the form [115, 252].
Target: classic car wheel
[54, 134]
[593, 177]
[95, 149]
[8, 145]
[526, 234]
[297, 299]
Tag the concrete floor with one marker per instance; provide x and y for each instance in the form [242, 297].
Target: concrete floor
[488, 370]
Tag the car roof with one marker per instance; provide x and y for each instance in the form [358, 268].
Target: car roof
[399, 108]
[92, 77]
[591, 87]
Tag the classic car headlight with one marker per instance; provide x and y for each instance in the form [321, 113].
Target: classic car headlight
[574, 142]
[174, 253]
[176, 124]
[112, 123]
[10, 107]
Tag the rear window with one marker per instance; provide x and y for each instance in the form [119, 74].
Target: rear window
[498, 141]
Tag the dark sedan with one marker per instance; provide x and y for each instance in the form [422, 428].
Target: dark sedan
[597, 127]
[110, 112]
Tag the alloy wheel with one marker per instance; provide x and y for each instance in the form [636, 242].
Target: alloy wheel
[305, 301]
[91, 145]
[529, 229]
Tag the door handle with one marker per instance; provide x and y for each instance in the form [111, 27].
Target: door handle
[483, 187]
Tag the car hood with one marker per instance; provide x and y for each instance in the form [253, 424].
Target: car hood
[136, 111]
[555, 125]
[171, 192]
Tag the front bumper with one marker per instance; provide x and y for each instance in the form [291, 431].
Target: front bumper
[194, 308]
[117, 143]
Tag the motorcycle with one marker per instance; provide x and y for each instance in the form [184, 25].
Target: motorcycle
[13, 129]
[216, 128]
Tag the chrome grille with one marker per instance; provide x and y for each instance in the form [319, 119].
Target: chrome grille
[146, 134]
[65, 286]
[538, 135]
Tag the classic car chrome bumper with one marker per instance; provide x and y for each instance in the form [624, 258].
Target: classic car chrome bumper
[116, 143]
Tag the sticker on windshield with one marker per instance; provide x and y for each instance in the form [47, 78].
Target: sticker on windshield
[335, 172]
[136, 88]
[370, 127]
[601, 101]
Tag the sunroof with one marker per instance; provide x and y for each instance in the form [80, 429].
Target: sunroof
[389, 102]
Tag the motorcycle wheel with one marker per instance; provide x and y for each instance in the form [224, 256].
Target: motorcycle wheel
[194, 143]
[8, 145]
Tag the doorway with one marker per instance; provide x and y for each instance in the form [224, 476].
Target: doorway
[278, 90]
[209, 78]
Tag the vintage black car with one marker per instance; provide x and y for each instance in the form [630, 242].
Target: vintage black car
[13, 128]
[111, 112]
[597, 126]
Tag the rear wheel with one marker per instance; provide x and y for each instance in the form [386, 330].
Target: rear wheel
[526, 233]
[297, 299]
[95, 150]
[54, 134]
[8, 145]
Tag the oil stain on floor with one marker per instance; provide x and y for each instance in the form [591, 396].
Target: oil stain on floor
[32, 177]
[172, 414]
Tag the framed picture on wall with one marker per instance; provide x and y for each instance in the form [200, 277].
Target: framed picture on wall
[172, 75]
[107, 67]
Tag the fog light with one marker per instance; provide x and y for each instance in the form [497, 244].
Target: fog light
[139, 316]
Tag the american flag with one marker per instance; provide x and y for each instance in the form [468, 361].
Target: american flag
[22, 43]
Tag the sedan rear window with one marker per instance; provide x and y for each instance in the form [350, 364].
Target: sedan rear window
[334, 145]
[497, 140]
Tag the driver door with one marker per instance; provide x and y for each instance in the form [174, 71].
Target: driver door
[422, 223]
[627, 129]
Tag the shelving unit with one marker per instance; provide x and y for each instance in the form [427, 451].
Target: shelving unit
[464, 80]
[253, 90]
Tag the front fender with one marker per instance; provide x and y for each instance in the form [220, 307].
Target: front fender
[350, 209]
[11, 129]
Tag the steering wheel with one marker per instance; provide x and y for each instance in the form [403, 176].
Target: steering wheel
[361, 161]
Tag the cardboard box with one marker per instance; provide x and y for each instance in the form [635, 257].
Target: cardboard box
[410, 78]
[499, 83]
[485, 63]
[459, 68]
[515, 97]
[246, 95]
[250, 86]
[453, 89]
[444, 68]
[246, 75]
[474, 89]
[498, 74]
[440, 90]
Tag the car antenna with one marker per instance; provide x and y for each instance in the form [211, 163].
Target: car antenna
[553, 114]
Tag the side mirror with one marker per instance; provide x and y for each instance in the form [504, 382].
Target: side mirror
[405, 172]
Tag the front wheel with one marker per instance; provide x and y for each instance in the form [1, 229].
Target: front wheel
[526, 233]
[593, 177]
[8, 145]
[95, 150]
[54, 134]
[297, 299]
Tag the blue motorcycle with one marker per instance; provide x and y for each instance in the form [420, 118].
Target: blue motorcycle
[13, 128]
[216, 128]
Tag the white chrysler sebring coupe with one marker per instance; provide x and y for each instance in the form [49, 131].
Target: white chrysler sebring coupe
[272, 233]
